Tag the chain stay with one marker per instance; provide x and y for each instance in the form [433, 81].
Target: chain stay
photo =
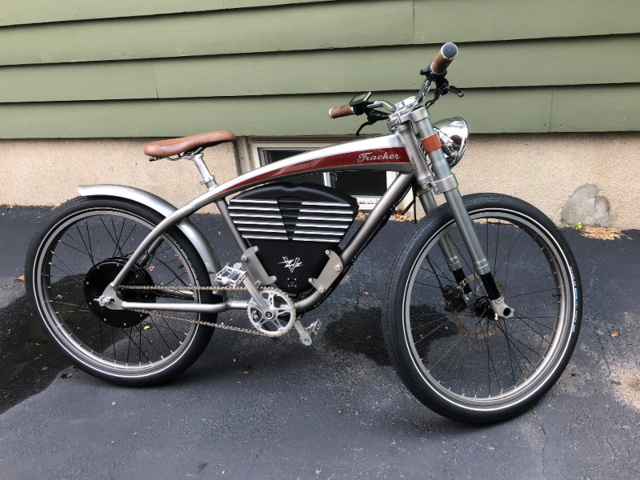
[221, 326]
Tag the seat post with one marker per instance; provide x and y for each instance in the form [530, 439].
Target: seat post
[207, 178]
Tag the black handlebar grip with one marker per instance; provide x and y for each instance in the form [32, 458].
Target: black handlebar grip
[344, 111]
[444, 58]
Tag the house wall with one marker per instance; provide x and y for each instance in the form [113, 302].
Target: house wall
[544, 169]
[83, 85]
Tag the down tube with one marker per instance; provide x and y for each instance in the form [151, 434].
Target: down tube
[389, 200]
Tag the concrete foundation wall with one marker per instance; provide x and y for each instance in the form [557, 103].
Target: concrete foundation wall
[547, 169]
[544, 170]
[45, 172]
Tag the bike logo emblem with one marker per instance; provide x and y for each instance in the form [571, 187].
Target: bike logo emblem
[367, 157]
[291, 264]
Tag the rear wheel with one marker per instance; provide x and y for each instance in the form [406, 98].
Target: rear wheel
[77, 253]
[451, 351]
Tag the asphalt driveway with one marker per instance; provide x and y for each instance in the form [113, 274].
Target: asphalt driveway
[253, 407]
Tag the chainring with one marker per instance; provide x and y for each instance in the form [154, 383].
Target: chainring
[276, 321]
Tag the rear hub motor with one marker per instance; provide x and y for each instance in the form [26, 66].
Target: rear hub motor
[101, 275]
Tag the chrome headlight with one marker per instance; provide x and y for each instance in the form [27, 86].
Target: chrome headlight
[454, 135]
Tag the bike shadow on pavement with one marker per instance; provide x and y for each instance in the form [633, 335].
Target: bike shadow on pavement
[28, 362]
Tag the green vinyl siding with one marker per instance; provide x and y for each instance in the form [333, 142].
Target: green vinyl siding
[480, 65]
[294, 27]
[499, 20]
[24, 12]
[536, 109]
[160, 68]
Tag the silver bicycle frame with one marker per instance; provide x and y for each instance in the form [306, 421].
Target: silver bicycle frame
[439, 177]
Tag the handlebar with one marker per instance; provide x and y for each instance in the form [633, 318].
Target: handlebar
[343, 111]
[444, 58]
[438, 67]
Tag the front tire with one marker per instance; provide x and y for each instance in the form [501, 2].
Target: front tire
[451, 352]
[77, 252]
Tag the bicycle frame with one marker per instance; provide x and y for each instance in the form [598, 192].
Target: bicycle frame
[400, 152]
[296, 243]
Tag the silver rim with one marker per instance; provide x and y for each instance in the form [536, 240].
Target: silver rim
[91, 237]
[477, 362]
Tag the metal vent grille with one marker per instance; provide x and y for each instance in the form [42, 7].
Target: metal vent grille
[291, 219]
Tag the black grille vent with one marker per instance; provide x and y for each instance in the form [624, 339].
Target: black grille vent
[293, 212]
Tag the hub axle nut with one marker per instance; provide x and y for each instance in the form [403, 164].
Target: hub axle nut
[104, 301]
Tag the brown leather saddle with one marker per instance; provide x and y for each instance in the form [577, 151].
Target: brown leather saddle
[174, 146]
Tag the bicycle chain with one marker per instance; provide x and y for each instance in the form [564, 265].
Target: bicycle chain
[221, 326]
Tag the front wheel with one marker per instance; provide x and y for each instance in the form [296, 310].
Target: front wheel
[78, 252]
[448, 348]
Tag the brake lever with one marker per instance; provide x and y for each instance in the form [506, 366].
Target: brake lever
[368, 122]
[456, 90]
[442, 88]
[373, 116]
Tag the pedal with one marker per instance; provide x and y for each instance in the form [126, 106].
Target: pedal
[305, 333]
[314, 327]
[231, 276]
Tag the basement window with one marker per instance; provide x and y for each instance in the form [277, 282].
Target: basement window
[365, 185]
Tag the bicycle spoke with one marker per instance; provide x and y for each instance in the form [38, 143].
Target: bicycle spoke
[74, 257]
[470, 354]
[533, 293]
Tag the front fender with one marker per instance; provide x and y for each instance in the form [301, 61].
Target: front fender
[165, 209]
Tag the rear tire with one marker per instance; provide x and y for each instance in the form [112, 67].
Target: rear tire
[81, 246]
[452, 354]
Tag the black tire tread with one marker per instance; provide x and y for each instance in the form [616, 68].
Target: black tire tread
[202, 336]
[392, 324]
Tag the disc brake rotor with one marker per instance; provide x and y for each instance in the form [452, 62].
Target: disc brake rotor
[468, 322]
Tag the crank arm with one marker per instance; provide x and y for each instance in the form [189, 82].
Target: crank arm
[305, 338]
[305, 333]
[256, 296]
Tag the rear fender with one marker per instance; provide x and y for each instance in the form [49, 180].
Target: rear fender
[165, 209]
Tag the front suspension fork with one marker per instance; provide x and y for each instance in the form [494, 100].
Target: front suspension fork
[447, 246]
[448, 185]
[450, 252]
